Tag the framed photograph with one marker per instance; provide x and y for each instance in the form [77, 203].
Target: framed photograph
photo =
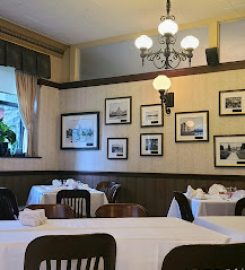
[151, 115]
[117, 148]
[118, 110]
[232, 102]
[229, 151]
[151, 144]
[191, 126]
[80, 131]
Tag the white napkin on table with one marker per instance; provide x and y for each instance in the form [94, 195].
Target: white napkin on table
[57, 183]
[195, 193]
[71, 183]
[216, 189]
[32, 218]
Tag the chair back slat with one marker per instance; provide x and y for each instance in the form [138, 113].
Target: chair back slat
[73, 249]
[184, 206]
[75, 199]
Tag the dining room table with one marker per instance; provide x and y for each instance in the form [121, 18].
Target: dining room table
[209, 205]
[232, 226]
[46, 194]
[142, 243]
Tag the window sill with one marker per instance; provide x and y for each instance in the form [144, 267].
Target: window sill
[20, 157]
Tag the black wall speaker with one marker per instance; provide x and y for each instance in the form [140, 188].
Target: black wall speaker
[212, 56]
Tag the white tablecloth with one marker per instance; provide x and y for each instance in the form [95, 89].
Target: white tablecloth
[234, 227]
[142, 243]
[208, 207]
[46, 194]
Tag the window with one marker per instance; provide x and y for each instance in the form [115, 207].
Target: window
[9, 111]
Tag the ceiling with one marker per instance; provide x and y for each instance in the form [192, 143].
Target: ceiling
[78, 21]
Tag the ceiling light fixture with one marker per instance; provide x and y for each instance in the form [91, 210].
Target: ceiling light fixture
[167, 57]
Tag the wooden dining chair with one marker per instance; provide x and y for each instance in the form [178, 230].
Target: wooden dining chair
[111, 190]
[120, 210]
[75, 199]
[240, 206]
[207, 256]
[184, 206]
[8, 205]
[54, 211]
[76, 250]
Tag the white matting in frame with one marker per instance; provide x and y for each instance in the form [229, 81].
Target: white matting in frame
[232, 102]
[118, 110]
[229, 150]
[117, 148]
[191, 126]
[151, 144]
[151, 115]
[80, 131]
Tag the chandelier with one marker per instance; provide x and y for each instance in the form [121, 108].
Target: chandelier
[167, 57]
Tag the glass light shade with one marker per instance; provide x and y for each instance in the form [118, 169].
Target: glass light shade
[143, 42]
[168, 26]
[189, 42]
[161, 82]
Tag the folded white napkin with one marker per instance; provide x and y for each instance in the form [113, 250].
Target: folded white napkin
[190, 192]
[200, 195]
[216, 189]
[83, 186]
[57, 183]
[195, 193]
[71, 183]
[32, 218]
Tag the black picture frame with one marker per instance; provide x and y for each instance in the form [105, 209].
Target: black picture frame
[151, 144]
[229, 150]
[232, 102]
[192, 126]
[117, 148]
[118, 110]
[80, 131]
[151, 115]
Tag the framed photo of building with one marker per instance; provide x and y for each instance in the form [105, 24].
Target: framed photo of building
[118, 110]
[229, 150]
[232, 102]
[151, 144]
[117, 148]
[151, 115]
[80, 131]
[191, 126]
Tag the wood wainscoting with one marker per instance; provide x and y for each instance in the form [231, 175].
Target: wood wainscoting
[153, 191]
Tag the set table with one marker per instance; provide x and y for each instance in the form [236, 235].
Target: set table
[46, 194]
[211, 206]
[142, 243]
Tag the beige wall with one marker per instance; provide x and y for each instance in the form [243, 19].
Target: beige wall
[192, 93]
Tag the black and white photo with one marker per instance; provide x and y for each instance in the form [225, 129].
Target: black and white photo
[151, 115]
[232, 102]
[117, 148]
[118, 110]
[80, 131]
[229, 150]
[191, 126]
[151, 144]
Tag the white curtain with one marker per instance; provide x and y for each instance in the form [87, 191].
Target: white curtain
[27, 98]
